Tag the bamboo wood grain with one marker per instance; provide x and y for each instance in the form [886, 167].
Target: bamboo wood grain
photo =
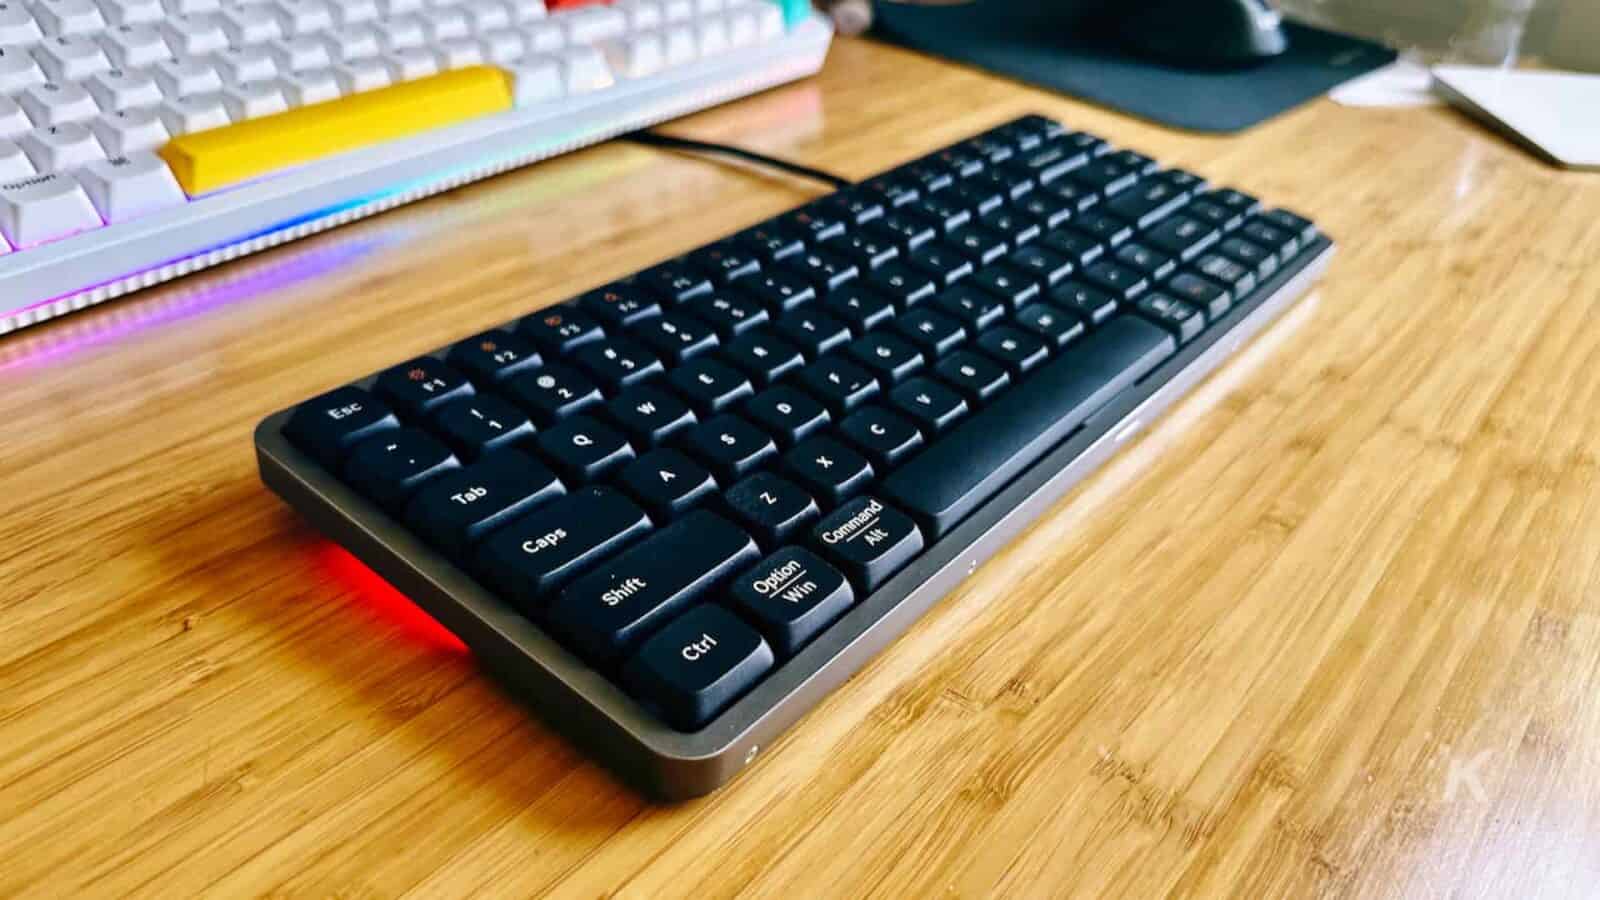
[1329, 628]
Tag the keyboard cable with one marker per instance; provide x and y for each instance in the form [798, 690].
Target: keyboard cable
[689, 145]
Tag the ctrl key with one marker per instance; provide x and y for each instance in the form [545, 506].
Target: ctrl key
[692, 669]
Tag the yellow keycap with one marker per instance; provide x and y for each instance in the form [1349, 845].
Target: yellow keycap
[208, 160]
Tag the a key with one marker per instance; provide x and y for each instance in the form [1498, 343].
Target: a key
[839, 384]
[194, 35]
[883, 437]
[787, 414]
[1185, 322]
[771, 242]
[825, 270]
[730, 446]
[591, 24]
[931, 331]
[1091, 304]
[770, 508]
[616, 363]
[1017, 350]
[116, 89]
[1182, 237]
[327, 426]
[69, 59]
[252, 101]
[14, 164]
[129, 131]
[1249, 253]
[1055, 327]
[777, 290]
[17, 27]
[1105, 176]
[859, 308]
[865, 249]
[1044, 266]
[1078, 249]
[553, 392]
[300, 17]
[357, 75]
[58, 148]
[668, 483]
[135, 46]
[910, 231]
[827, 469]
[1144, 259]
[359, 44]
[726, 261]
[55, 104]
[388, 467]
[697, 666]
[1014, 286]
[1210, 297]
[1149, 203]
[44, 207]
[68, 17]
[561, 329]
[889, 357]
[620, 305]
[251, 25]
[420, 385]
[965, 467]
[1123, 282]
[904, 286]
[308, 86]
[1106, 229]
[649, 415]
[537, 553]
[1238, 279]
[975, 309]
[868, 540]
[18, 70]
[814, 223]
[1302, 229]
[763, 356]
[194, 113]
[462, 506]
[978, 244]
[932, 406]
[583, 449]
[730, 313]
[813, 333]
[709, 386]
[494, 356]
[479, 424]
[1046, 209]
[791, 596]
[944, 264]
[977, 377]
[944, 214]
[854, 206]
[127, 187]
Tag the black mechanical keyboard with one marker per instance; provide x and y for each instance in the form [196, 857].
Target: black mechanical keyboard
[676, 511]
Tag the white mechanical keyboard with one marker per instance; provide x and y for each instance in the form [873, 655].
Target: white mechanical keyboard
[141, 140]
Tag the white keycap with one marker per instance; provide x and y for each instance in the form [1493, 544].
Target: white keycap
[130, 131]
[524, 11]
[410, 64]
[350, 44]
[251, 25]
[485, 15]
[127, 187]
[391, 9]
[252, 101]
[677, 10]
[304, 16]
[17, 27]
[310, 86]
[359, 75]
[637, 55]
[680, 44]
[545, 37]
[196, 112]
[641, 14]
[741, 27]
[135, 46]
[707, 7]
[458, 54]
[14, 164]
[68, 17]
[53, 104]
[300, 53]
[13, 120]
[439, 25]
[58, 148]
[18, 70]
[402, 33]
[500, 47]
[191, 7]
[116, 89]
[588, 24]
[132, 12]
[585, 70]
[354, 12]
[194, 35]
[243, 65]
[44, 207]
[538, 79]
[70, 58]
[186, 77]
[712, 35]
[769, 21]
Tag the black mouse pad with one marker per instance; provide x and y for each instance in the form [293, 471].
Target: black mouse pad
[1100, 72]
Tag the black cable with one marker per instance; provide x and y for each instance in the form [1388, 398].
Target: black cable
[667, 142]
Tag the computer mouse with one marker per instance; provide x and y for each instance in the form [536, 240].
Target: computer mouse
[1203, 33]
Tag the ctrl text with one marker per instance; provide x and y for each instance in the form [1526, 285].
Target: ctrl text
[697, 649]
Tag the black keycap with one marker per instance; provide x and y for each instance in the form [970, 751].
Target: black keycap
[961, 161]
[462, 506]
[1134, 161]
[930, 176]
[730, 446]
[978, 244]
[891, 358]
[942, 214]
[854, 206]
[787, 413]
[1185, 322]
[473, 426]
[1182, 237]
[964, 468]
[583, 449]
[1010, 185]
[901, 284]
[1015, 227]
[726, 261]
[770, 508]
[814, 223]
[1185, 181]
[650, 415]
[1248, 253]
[933, 332]
[812, 332]
[791, 596]
[1051, 162]
[893, 191]
[1298, 226]
[976, 309]
[910, 231]
[1045, 267]
[859, 308]
[1282, 244]
[944, 264]
[1108, 230]
[1014, 348]
[777, 290]
[387, 467]
[1046, 209]
[417, 386]
[1091, 144]
[991, 150]
[977, 377]
[710, 386]
[668, 483]
[1120, 281]
[771, 242]
[619, 305]
[698, 665]
[1105, 176]
[931, 405]
[1078, 249]
[1230, 199]
[1013, 286]
[494, 356]
[675, 282]
[676, 337]
[868, 540]
[826, 271]
[1077, 197]
[545, 549]
[1153, 264]
[609, 610]
[1147, 204]
[885, 438]
[828, 470]
[328, 425]
[561, 329]
[1055, 327]
[839, 384]
[1090, 304]
[1219, 217]
[730, 313]
[864, 248]
[762, 355]
[1238, 279]
[1213, 299]
[617, 363]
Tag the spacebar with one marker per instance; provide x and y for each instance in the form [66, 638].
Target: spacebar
[963, 469]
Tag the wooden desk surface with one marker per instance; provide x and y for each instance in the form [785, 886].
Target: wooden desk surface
[1331, 627]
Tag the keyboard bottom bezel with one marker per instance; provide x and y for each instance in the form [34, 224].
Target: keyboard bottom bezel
[669, 765]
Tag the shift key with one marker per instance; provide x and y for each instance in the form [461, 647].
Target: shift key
[606, 612]
[537, 554]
